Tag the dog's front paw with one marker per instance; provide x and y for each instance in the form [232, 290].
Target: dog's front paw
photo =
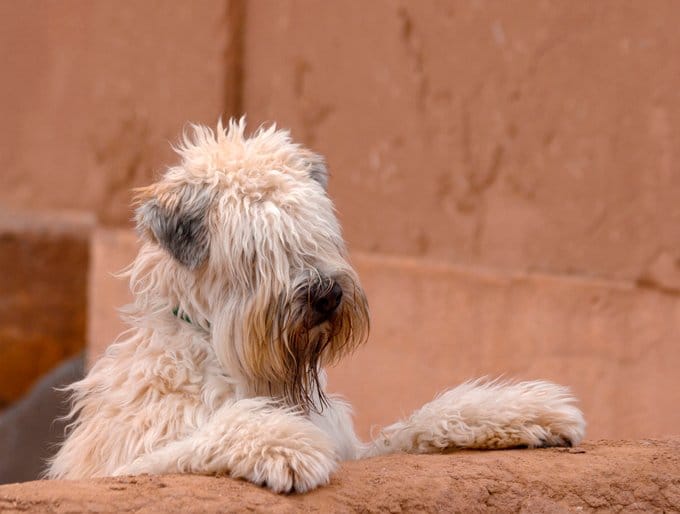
[568, 430]
[284, 469]
[491, 415]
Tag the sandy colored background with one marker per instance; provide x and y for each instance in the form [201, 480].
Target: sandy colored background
[506, 175]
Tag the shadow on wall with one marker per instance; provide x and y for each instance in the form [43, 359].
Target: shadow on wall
[31, 429]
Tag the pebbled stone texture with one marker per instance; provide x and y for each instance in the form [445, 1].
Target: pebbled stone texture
[606, 476]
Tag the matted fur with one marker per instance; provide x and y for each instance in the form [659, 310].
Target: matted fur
[222, 368]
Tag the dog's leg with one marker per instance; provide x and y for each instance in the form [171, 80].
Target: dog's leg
[250, 439]
[336, 421]
[487, 415]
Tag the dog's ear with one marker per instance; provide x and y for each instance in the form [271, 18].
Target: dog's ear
[317, 168]
[175, 216]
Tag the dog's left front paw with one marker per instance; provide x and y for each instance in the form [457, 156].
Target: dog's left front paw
[285, 469]
[492, 415]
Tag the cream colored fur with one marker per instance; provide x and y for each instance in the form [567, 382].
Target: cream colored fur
[241, 239]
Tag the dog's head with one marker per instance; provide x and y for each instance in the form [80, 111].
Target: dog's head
[241, 240]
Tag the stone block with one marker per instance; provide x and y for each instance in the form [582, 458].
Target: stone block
[434, 326]
[44, 261]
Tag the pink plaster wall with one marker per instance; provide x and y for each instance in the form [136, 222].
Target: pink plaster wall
[506, 173]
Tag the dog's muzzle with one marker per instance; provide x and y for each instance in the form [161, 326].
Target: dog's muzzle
[324, 301]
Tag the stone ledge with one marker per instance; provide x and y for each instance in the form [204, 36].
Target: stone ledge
[641, 476]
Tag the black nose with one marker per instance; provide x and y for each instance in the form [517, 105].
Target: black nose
[328, 300]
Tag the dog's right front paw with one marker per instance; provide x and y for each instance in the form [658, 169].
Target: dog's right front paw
[287, 469]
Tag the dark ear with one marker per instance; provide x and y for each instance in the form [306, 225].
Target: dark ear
[317, 169]
[176, 217]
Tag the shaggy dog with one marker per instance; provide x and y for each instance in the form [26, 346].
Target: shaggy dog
[242, 294]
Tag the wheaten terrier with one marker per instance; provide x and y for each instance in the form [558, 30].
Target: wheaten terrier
[242, 294]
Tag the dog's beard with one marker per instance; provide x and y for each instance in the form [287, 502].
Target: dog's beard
[308, 346]
[281, 345]
[305, 353]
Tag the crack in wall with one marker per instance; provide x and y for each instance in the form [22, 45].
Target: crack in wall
[234, 58]
[414, 49]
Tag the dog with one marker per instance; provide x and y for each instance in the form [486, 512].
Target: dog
[243, 294]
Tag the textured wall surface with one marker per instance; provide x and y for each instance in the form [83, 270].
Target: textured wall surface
[519, 136]
[92, 95]
[506, 174]
[533, 147]
[93, 92]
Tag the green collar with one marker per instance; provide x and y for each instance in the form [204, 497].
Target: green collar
[184, 317]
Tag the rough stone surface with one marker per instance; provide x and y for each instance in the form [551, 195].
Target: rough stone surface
[43, 299]
[535, 136]
[602, 477]
[93, 93]
[435, 325]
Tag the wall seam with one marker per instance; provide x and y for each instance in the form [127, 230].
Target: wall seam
[234, 58]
